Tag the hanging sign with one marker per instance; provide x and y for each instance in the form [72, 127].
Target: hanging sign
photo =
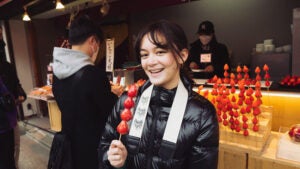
[110, 54]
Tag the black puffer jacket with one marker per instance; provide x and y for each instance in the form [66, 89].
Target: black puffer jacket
[198, 139]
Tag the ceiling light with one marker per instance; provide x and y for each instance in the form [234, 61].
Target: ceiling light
[105, 8]
[26, 16]
[59, 5]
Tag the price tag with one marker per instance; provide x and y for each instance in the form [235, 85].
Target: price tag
[205, 58]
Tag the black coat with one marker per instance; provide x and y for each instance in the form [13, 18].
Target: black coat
[198, 140]
[219, 58]
[85, 100]
[9, 77]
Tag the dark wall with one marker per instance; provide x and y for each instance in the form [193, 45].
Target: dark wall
[240, 24]
[47, 32]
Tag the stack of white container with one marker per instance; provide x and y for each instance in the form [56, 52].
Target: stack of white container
[269, 47]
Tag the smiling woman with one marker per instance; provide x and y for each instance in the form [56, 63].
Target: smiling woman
[172, 127]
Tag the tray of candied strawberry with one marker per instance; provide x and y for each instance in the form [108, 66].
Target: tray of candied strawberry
[290, 82]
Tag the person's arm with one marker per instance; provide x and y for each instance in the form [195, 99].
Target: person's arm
[204, 154]
[222, 57]
[109, 134]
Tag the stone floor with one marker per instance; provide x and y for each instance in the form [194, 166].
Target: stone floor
[35, 143]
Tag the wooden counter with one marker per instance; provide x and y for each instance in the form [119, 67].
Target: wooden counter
[268, 159]
[54, 112]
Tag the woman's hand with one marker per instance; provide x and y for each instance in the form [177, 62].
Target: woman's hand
[117, 89]
[193, 65]
[209, 68]
[117, 154]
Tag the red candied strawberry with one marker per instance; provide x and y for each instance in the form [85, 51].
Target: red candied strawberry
[245, 125]
[258, 93]
[249, 92]
[233, 99]
[256, 127]
[235, 114]
[128, 103]
[232, 90]
[238, 69]
[236, 122]
[214, 92]
[219, 119]
[225, 122]
[255, 120]
[132, 91]
[226, 74]
[246, 133]
[243, 110]
[256, 111]
[267, 75]
[248, 108]
[226, 67]
[258, 77]
[255, 104]
[245, 69]
[214, 79]
[231, 120]
[257, 70]
[232, 76]
[266, 67]
[224, 116]
[239, 76]
[237, 128]
[267, 83]
[126, 115]
[122, 128]
[244, 118]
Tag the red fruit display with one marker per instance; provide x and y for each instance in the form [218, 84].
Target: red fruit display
[122, 128]
[294, 132]
[290, 81]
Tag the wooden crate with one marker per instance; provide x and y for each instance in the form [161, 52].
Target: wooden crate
[54, 116]
[253, 143]
[229, 159]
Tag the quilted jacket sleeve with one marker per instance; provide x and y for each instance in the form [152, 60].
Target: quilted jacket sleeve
[204, 154]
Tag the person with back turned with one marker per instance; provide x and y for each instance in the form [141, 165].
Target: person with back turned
[83, 94]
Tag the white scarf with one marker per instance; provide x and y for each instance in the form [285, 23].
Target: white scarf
[175, 117]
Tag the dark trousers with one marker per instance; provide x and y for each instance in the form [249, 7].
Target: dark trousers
[7, 160]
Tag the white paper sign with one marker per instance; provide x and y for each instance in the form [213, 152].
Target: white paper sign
[110, 53]
[205, 58]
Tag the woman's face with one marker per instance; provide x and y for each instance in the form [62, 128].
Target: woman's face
[205, 39]
[159, 64]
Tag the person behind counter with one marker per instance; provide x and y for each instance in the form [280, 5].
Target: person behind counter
[83, 94]
[206, 54]
[173, 126]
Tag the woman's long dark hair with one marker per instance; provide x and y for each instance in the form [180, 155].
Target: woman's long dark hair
[175, 39]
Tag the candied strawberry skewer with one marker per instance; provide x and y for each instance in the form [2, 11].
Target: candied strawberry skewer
[126, 114]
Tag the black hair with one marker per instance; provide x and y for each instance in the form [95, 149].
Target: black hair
[175, 39]
[82, 28]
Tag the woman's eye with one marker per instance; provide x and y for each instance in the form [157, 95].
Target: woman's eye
[159, 53]
[143, 55]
